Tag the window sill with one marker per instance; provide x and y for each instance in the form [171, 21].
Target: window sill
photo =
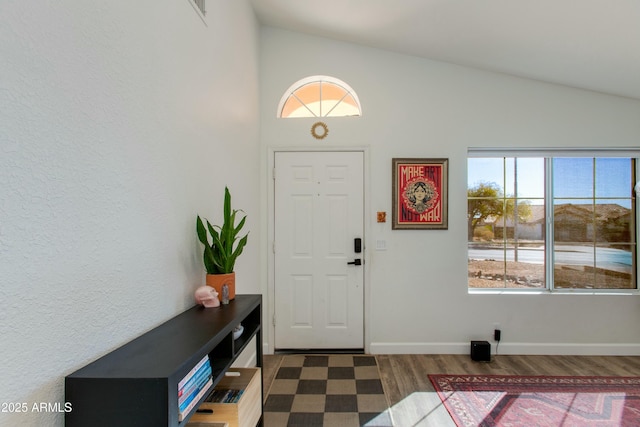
[547, 292]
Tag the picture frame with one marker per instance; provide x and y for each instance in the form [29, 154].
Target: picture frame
[420, 193]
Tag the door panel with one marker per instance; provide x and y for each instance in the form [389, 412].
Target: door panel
[319, 298]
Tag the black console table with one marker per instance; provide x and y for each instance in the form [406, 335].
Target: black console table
[136, 384]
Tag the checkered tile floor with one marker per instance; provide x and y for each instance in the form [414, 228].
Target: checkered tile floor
[332, 390]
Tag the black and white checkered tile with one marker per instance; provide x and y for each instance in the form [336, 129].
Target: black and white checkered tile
[331, 390]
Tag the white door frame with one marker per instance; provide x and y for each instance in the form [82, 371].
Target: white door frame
[270, 296]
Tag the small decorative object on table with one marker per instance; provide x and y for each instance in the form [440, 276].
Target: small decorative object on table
[207, 296]
[225, 294]
[237, 331]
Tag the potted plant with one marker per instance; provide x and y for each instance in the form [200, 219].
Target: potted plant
[221, 253]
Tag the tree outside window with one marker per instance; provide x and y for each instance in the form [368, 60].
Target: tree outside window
[589, 243]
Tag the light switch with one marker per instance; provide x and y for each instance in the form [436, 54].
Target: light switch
[381, 245]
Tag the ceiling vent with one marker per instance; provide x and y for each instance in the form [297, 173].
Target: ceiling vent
[200, 8]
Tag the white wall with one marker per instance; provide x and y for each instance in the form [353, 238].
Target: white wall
[417, 290]
[120, 121]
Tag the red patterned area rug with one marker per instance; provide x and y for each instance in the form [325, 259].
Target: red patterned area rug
[505, 400]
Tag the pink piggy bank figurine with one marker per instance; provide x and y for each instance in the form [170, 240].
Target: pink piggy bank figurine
[207, 296]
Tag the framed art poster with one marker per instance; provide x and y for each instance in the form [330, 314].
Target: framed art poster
[419, 194]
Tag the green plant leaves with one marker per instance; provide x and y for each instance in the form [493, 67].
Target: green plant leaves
[219, 256]
[202, 233]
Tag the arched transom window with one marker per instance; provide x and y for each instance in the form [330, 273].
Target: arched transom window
[319, 96]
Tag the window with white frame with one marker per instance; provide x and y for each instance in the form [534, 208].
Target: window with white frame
[319, 96]
[552, 220]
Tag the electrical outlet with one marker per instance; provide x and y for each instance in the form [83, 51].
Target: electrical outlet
[497, 335]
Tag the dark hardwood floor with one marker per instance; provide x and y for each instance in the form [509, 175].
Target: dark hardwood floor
[414, 402]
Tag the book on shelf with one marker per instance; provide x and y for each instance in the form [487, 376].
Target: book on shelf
[191, 403]
[203, 374]
[225, 396]
[193, 371]
[191, 392]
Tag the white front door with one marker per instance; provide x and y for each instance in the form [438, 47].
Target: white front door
[319, 212]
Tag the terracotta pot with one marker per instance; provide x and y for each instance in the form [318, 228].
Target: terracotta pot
[217, 280]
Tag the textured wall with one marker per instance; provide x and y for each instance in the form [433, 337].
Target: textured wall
[119, 122]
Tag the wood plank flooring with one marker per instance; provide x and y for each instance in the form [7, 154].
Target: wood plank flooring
[414, 402]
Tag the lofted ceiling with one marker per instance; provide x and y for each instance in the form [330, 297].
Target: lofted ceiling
[588, 44]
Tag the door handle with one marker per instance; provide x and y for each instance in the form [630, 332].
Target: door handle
[356, 261]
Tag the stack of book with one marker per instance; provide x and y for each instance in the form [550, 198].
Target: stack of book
[193, 387]
[225, 396]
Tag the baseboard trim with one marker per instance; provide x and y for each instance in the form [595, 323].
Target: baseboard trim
[510, 348]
